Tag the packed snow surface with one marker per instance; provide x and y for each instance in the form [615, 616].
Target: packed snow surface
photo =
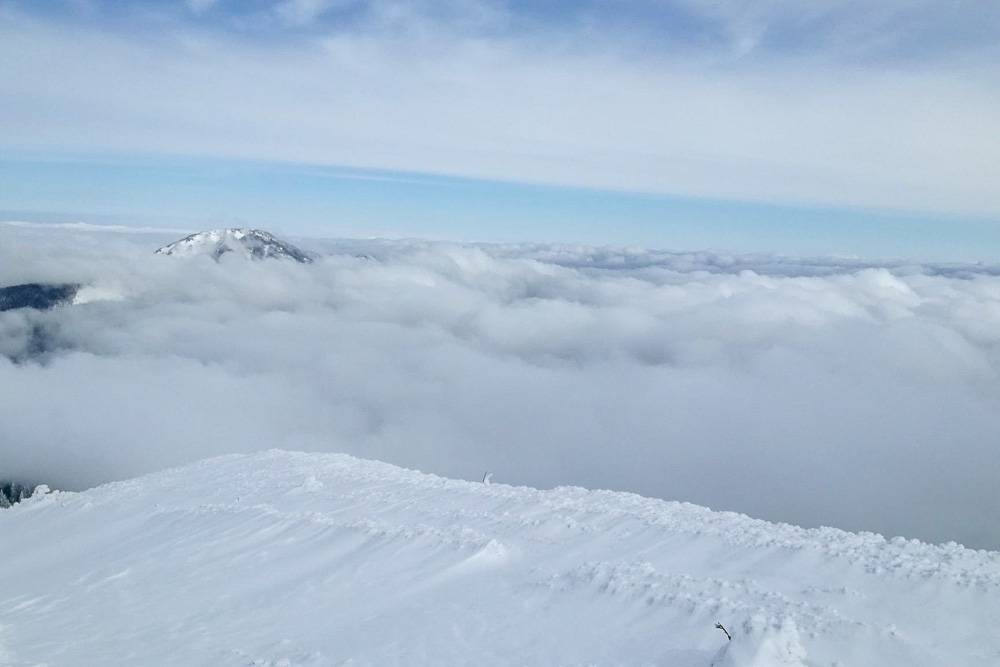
[282, 558]
[248, 243]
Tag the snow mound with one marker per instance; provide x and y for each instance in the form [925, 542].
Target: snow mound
[283, 558]
[247, 243]
[764, 643]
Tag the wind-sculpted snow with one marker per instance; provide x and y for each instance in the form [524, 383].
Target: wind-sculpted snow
[850, 393]
[280, 558]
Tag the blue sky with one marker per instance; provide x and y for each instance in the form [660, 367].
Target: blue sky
[821, 127]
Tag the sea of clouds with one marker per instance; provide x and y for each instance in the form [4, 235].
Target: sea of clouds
[819, 392]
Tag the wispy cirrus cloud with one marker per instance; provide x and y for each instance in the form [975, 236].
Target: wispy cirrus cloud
[200, 6]
[304, 12]
[894, 106]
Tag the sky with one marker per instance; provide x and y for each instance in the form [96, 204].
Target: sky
[837, 128]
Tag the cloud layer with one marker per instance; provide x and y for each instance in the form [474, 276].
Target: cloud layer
[814, 392]
[837, 103]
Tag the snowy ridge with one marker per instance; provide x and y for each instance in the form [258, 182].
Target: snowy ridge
[284, 558]
[247, 243]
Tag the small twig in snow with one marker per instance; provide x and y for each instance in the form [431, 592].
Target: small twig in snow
[728, 636]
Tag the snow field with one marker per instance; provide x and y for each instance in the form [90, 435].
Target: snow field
[283, 558]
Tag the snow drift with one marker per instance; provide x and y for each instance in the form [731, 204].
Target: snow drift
[282, 558]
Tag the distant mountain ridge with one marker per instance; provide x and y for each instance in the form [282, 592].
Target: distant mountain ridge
[255, 244]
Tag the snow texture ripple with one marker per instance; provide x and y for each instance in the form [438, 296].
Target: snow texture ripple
[283, 558]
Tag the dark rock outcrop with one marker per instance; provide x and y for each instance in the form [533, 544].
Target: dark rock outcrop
[12, 492]
[40, 296]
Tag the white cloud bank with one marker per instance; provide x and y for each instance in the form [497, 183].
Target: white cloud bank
[864, 398]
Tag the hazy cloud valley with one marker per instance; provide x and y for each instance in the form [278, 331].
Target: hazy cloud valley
[818, 392]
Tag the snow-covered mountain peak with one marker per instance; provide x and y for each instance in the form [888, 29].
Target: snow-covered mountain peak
[248, 243]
